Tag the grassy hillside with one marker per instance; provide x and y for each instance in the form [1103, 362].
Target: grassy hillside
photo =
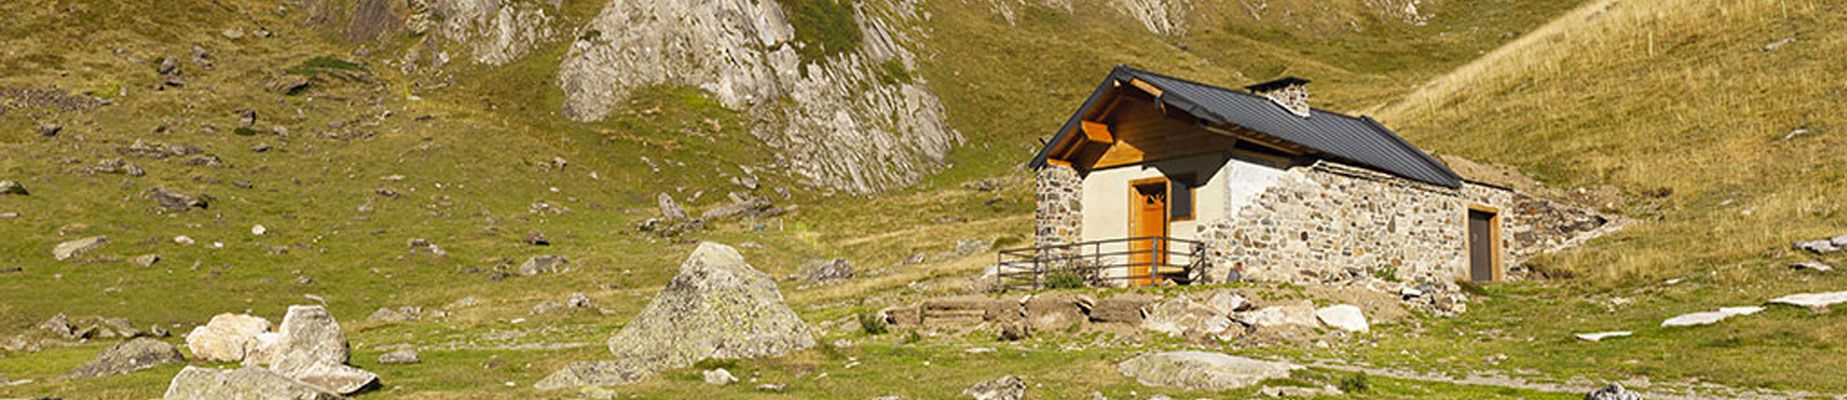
[1715, 119]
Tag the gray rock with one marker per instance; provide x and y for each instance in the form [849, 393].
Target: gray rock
[824, 271]
[742, 205]
[1004, 388]
[195, 383]
[1126, 308]
[400, 357]
[1345, 317]
[969, 247]
[1812, 266]
[1812, 300]
[1198, 370]
[578, 300]
[313, 349]
[716, 307]
[1057, 311]
[719, 377]
[1612, 392]
[1183, 317]
[1599, 336]
[537, 239]
[1298, 314]
[914, 259]
[11, 269]
[388, 315]
[1823, 246]
[13, 188]
[174, 201]
[1709, 317]
[546, 307]
[66, 250]
[133, 355]
[226, 338]
[543, 264]
[60, 326]
[669, 209]
[49, 130]
[146, 260]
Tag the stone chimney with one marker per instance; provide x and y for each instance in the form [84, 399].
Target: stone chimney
[1289, 92]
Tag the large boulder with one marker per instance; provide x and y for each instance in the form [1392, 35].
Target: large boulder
[313, 350]
[133, 355]
[1298, 314]
[1346, 317]
[227, 338]
[66, 250]
[1058, 310]
[1183, 317]
[1126, 308]
[1199, 370]
[716, 307]
[195, 383]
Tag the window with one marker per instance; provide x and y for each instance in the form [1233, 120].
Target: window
[1180, 198]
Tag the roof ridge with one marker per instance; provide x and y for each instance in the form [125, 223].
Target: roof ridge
[1226, 89]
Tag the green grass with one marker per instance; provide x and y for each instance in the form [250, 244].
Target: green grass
[824, 28]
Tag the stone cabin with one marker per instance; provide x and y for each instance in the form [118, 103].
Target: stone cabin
[1161, 180]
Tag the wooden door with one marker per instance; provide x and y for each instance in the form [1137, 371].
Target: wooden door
[1148, 216]
[1481, 246]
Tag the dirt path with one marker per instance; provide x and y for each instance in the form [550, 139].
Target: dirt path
[1648, 390]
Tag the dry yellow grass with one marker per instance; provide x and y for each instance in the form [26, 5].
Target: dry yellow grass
[1684, 105]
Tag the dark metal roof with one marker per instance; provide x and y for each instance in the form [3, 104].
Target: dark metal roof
[1360, 141]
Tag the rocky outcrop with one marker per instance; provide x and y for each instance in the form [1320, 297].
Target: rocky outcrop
[130, 356]
[716, 307]
[857, 120]
[196, 383]
[227, 338]
[495, 32]
[1200, 370]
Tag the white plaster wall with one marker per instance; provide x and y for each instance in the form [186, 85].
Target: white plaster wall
[1229, 184]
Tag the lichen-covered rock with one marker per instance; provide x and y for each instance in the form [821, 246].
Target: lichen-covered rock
[670, 209]
[543, 264]
[1004, 388]
[399, 357]
[174, 201]
[313, 350]
[1199, 370]
[226, 338]
[66, 250]
[824, 271]
[717, 307]
[133, 355]
[840, 122]
[1183, 317]
[196, 383]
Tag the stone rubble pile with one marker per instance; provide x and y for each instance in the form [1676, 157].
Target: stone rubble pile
[306, 355]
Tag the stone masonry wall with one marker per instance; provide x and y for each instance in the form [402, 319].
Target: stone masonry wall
[1060, 201]
[1330, 222]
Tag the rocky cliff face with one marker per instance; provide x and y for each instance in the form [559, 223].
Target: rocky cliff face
[494, 32]
[855, 121]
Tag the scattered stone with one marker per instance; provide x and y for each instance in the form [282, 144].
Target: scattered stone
[969, 247]
[400, 357]
[1346, 317]
[1004, 388]
[388, 315]
[537, 239]
[1180, 316]
[824, 271]
[146, 260]
[12, 269]
[1126, 308]
[183, 240]
[1058, 310]
[226, 338]
[914, 259]
[1599, 336]
[1779, 43]
[50, 130]
[543, 264]
[174, 201]
[1812, 266]
[546, 307]
[258, 230]
[13, 188]
[421, 245]
[1812, 300]
[1301, 314]
[196, 383]
[133, 355]
[290, 84]
[669, 209]
[158, 331]
[742, 205]
[772, 388]
[1199, 370]
[66, 250]
[1823, 246]
[578, 300]
[716, 307]
[260, 148]
[60, 326]
[1612, 391]
[719, 377]
[1709, 317]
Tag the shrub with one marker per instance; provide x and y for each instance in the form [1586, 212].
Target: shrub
[872, 323]
[1356, 383]
[1064, 280]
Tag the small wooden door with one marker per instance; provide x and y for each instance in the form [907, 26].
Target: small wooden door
[1148, 218]
[1481, 246]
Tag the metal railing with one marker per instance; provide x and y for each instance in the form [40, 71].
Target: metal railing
[1141, 261]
